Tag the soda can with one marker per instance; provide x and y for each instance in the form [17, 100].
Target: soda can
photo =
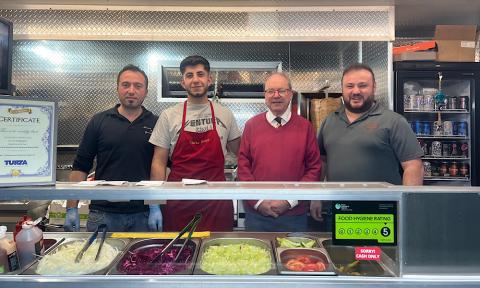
[417, 127]
[428, 103]
[462, 128]
[463, 102]
[437, 128]
[454, 152]
[444, 169]
[427, 168]
[464, 149]
[408, 102]
[446, 149]
[447, 128]
[464, 170]
[418, 102]
[453, 169]
[452, 103]
[427, 128]
[424, 146]
[436, 149]
[455, 128]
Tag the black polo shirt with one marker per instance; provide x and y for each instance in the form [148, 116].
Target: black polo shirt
[122, 151]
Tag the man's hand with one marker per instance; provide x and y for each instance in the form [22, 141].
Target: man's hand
[265, 209]
[316, 210]
[72, 220]
[155, 218]
[280, 206]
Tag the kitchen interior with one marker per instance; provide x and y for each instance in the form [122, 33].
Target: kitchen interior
[71, 52]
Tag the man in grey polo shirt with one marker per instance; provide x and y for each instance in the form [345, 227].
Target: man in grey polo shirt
[363, 141]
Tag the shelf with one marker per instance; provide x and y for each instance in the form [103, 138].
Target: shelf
[448, 111]
[442, 178]
[443, 137]
[444, 158]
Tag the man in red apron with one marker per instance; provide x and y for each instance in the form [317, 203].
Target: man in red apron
[195, 135]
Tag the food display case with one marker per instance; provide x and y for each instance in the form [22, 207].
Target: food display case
[435, 245]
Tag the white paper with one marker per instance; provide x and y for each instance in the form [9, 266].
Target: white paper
[99, 182]
[150, 183]
[186, 181]
[89, 183]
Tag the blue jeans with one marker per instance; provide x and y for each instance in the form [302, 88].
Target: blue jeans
[131, 222]
[284, 223]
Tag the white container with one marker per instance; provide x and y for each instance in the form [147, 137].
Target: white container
[8, 253]
[29, 243]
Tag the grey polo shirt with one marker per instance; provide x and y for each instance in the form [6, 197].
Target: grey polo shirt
[369, 149]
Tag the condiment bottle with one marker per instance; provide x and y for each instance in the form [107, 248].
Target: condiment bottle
[8, 253]
[29, 243]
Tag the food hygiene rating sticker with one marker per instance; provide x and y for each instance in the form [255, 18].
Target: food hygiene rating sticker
[364, 223]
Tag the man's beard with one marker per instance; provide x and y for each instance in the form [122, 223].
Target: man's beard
[199, 94]
[367, 104]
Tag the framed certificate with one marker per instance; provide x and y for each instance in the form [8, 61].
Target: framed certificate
[28, 140]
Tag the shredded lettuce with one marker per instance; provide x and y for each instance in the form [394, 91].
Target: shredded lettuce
[236, 259]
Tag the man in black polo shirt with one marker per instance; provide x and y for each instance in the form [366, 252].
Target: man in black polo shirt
[118, 138]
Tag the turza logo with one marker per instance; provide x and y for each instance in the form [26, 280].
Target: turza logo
[15, 162]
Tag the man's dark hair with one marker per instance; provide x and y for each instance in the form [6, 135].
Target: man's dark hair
[357, 67]
[131, 67]
[194, 60]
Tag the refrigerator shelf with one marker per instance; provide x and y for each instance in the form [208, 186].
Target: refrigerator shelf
[447, 111]
[445, 178]
[443, 137]
[444, 158]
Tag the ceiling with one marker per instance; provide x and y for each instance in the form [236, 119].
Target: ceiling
[413, 18]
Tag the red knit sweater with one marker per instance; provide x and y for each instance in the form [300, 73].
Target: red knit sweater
[287, 153]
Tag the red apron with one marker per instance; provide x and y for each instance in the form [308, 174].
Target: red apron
[198, 156]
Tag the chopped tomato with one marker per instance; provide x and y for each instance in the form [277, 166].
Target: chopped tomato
[321, 266]
[294, 265]
[305, 259]
[310, 267]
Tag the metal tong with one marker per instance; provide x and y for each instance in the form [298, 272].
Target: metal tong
[191, 226]
[90, 240]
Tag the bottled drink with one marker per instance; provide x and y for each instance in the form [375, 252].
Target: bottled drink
[453, 169]
[29, 243]
[8, 253]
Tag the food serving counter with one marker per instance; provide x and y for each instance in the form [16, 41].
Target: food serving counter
[436, 245]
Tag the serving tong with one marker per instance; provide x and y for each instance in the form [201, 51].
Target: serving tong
[191, 226]
[90, 240]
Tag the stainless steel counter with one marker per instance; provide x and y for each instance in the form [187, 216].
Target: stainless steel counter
[442, 222]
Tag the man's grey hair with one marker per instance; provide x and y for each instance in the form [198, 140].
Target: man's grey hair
[283, 74]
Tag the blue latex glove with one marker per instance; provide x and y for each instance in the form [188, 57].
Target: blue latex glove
[72, 220]
[155, 218]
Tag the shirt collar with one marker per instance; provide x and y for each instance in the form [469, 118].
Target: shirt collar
[285, 117]
[376, 109]
[114, 112]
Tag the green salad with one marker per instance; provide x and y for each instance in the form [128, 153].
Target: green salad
[294, 242]
[236, 259]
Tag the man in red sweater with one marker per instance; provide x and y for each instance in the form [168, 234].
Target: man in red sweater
[278, 146]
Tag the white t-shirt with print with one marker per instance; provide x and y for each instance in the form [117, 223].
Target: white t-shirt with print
[199, 119]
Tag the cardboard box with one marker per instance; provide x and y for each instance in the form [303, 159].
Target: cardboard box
[57, 212]
[419, 55]
[456, 43]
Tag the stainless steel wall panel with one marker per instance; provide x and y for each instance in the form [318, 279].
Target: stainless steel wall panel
[81, 75]
[288, 24]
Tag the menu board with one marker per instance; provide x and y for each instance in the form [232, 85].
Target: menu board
[364, 223]
[27, 142]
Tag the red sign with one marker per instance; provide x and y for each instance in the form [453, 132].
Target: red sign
[367, 253]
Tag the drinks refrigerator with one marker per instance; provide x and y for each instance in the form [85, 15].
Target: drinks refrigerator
[438, 99]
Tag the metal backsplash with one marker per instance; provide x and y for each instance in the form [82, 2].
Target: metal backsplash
[81, 75]
[264, 24]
